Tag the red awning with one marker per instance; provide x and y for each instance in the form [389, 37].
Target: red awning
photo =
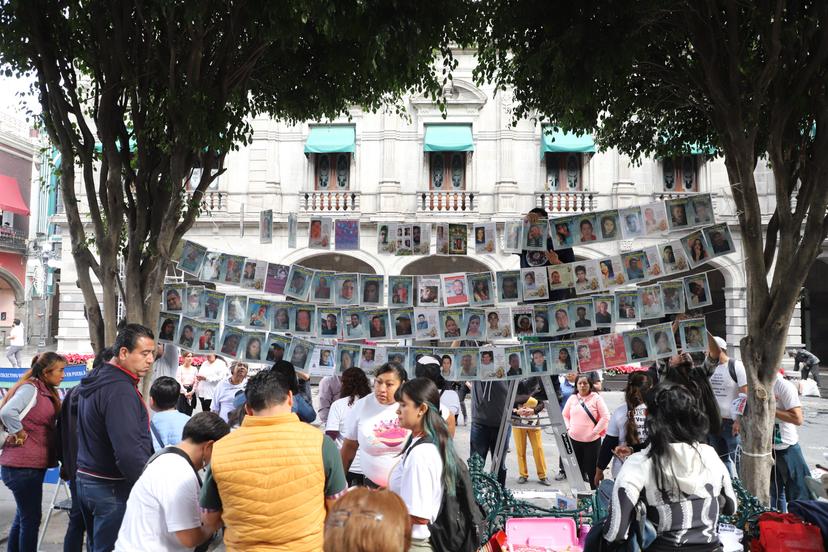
[10, 198]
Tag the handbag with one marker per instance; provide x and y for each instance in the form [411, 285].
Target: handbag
[4, 434]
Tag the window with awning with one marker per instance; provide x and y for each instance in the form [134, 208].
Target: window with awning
[332, 146]
[447, 146]
[448, 137]
[10, 198]
[565, 154]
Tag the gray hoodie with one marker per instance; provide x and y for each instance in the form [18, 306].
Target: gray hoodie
[488, 401]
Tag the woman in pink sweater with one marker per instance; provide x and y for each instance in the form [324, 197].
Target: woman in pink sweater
[587, 417]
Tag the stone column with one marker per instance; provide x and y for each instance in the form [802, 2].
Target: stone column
[389, 199]
[507, 200]
[735, 318]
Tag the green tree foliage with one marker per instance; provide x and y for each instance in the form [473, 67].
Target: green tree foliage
[141, 92]
[650, 78]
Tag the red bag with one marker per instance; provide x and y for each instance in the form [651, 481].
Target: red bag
[786, 533]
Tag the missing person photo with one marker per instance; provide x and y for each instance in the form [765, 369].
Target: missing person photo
[254, 274]
[253, 346]
[192, 257]
[319, 233]
[442, 239]
[702, 208]
[172, 297]
[427, 325]
[677, 211]
[490, 369]
[213, 304]
[672, 296]
[693, 333]
[231, 269]
[473, 322]
[534, 235]
[211, 268]
[387, 238]
[508, 288]
[194, 302]
[276, 279]
[259, 313]
[206, 337]
[300, 353]
[651, 305]
[561, 323]
[586, 230]
[720, 239]
[322, 287]
[402, 323]
[613, 350]
[329, 322]
[581, 314]
[421, 239]
[560, 276]
[637, 343]
[481, 286]
[655, 218]
[356, 327]
[378, 327]
[541, 313]
[662, 340]
[635, 266]
[458, 237]
[629, 306]
[589, 354]
[537, 355]
[451, 324]
[303, 319]
[512, 233]
[516, 361]
[498, 324]
[372, 289]
[466, 359]
[673, 258]
[696, 248]
[400, 290]
[562, 357]
[535, 286]
[563, 230]
[277, 346]
[454, 288]
[299, 283]
[587, 277]
[167, 327]
[484, 238]
[345, 290]
[523, 321]
[697, 290]
[632, 223]
[609, 225]
[235, 310]
[231, 341]
[428, 291]
[611, 272]
[604, 306]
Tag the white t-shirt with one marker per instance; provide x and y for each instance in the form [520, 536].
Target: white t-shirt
[618, 428]
[336, 422]
[787, 397]
[214, 372]
[418, 481]
[725, 389]
[16, 336]
[164, 500]
[377, 429]
[450, 400]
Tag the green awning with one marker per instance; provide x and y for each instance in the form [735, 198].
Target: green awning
[695, 149]
[331, 139]
[558, 141]
[448, 138]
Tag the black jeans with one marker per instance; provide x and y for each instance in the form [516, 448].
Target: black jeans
[205, 404]
[483, 442]
[587, 456]
[185, 405]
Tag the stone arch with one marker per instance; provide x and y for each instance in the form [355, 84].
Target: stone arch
[352, 261]
[15, 285]
[439, 264]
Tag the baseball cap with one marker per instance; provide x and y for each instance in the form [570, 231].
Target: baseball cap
[720, 343]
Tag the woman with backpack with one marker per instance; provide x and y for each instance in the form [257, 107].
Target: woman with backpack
[587, 417]
[429, 463]
[678, 483]
[29, 413]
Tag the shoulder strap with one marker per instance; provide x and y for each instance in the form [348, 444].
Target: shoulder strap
[156, 434]
[421, 441]
[176, 451]
[586, 409]
[731, 368]
[31, 404]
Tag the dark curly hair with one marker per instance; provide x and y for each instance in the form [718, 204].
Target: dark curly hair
[355, 385]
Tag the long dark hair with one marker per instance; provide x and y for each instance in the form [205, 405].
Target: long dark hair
[673, 416]
[695, 380]
[638, 383]
[422, 391]
[355, 385]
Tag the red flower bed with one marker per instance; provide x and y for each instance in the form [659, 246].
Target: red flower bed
[624, 369]
[78, 358]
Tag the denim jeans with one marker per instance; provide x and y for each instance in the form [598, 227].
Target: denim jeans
[484, 441]
[788, 477]
[26, 484]
[73, 540]
[725, 444]
[103, 504]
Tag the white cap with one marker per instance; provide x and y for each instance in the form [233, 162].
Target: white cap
[428, 360]
[721, 343]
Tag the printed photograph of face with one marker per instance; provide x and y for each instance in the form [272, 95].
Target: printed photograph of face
[603, 310]
[173, 300]
[678, 213]
[693, 335]
[562, 357]
[662, 340]
[466, 359]
[562, 323]
[560, 276]
[609, 225]
[167, 327]
[537, 358]
[523, 324]
[632, 225]
[563, 232]
[535, 235]
[451, 325]
[474, 325]
[354, 324]
[508, 288]
[304, 320]
[697, 290]
[586, 230]
[454, 290]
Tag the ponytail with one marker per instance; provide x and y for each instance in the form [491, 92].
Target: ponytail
[638, 383]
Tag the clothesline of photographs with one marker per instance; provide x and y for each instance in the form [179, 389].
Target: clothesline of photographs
[650, 220]
[488, 362]
[535, 283]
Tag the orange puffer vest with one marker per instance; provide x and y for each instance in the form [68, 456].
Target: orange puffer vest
[271, 481]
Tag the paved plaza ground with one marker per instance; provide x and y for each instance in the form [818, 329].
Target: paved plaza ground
[813, 436]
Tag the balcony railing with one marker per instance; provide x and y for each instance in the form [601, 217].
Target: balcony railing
[212, 202]
[329, 201]
[567, 202]
[663, 196]
[446, 202]
[12, 239]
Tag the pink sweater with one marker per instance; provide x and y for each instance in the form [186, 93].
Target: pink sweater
[578, 423]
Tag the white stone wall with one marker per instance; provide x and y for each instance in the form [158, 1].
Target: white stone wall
[389, 168]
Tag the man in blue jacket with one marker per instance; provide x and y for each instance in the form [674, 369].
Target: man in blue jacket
[114, 440]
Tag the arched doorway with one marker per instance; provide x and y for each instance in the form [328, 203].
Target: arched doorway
[337, 262]
[439, 264]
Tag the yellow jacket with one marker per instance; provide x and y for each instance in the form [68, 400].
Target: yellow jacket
[271, 481]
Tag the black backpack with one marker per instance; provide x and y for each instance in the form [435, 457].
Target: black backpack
[458, 526]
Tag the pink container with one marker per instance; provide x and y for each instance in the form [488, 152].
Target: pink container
[547, 532]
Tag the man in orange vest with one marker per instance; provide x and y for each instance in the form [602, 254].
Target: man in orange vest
[275, 477]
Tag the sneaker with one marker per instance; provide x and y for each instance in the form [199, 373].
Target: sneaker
[561, 476]
[545, 482]
[522, 479]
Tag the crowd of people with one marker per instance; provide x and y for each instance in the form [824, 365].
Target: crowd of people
[216, 453]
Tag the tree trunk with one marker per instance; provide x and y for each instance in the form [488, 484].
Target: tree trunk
[757, 425]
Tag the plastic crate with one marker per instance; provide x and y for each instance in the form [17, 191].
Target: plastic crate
[546, 532]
